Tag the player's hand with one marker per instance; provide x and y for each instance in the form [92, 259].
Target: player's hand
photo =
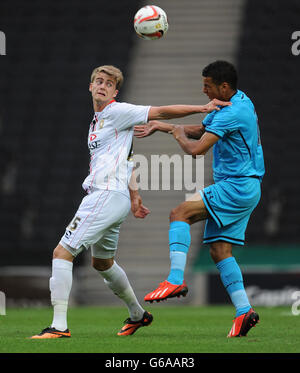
[178, 131]
[138, 209]
[214, 105]
[145, 130]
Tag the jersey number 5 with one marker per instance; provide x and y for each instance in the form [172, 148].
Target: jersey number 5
[74, 223]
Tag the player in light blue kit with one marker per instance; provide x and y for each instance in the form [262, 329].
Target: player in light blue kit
[226, 205]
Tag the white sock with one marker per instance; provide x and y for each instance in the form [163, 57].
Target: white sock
[116, 278]
[60, 287]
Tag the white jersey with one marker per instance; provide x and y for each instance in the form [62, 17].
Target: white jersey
[110, 145]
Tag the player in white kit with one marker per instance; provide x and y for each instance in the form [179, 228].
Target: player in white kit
[110, 196]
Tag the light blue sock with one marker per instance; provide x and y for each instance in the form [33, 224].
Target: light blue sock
[179, 243]
[232, 279]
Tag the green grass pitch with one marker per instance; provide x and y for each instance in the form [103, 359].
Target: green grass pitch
[181, 329]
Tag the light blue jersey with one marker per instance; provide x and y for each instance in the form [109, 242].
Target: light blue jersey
[239, 151]
[238, 167]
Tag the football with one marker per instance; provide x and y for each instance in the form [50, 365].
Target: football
[150, 22]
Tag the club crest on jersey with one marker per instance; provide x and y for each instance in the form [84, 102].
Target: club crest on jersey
[101, 124]
[93, 137]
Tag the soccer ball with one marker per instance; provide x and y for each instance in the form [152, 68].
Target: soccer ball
[150, 22]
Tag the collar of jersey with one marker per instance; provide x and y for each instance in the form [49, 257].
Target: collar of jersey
[235, 94]
[113, 100]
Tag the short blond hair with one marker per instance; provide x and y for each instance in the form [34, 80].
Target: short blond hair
[110, 70]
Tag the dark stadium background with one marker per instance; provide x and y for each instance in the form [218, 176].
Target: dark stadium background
[45, 109]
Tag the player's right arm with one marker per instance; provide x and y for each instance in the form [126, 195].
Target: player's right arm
[194, 131]
[191, 131]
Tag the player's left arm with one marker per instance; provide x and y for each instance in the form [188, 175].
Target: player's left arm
[138, 209]
[179, 111]
[199, 147]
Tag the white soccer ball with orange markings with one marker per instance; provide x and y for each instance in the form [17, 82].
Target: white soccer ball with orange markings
[150, 22]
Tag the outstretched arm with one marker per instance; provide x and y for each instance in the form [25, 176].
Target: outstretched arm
[179, 111]
[191, 131]
[205, 140]
[194, 131]
[149, 128]
[199, 147]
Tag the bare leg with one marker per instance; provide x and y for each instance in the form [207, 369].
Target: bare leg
[220, 250]
[190, 211]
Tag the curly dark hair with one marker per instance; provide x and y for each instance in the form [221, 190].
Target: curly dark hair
[220, 72]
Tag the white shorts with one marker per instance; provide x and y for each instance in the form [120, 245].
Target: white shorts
[96, 224]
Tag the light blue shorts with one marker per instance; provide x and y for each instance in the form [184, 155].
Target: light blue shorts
[230, 203]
